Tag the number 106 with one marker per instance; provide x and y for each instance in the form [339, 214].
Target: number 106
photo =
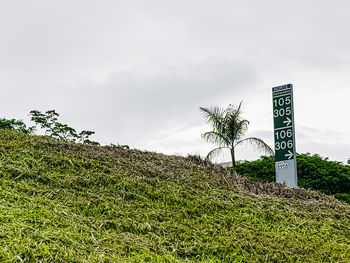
[283, 134]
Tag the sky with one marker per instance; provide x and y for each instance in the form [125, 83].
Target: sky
[136, 72]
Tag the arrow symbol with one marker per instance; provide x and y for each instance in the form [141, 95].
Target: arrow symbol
[288, 121]
[289, 155]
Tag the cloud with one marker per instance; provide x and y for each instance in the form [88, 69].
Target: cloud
[135, 105]
[131, 70]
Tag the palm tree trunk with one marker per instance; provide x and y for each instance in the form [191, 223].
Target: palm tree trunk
[233, 170]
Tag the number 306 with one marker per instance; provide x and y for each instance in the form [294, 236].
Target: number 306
[283, 145]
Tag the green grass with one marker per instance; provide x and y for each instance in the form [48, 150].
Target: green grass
[65, 202]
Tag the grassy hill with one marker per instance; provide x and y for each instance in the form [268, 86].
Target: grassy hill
[65, 202]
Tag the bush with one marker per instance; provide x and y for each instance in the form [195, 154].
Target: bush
[48, 121]
[262, 170]
[343, 196]
[14, 124]
[314, 172]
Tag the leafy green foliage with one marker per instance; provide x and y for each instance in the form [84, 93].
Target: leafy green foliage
[48, 121]
[343, 196]
[229, 131]
[68, 202]
[314, 172]
[17, 125]
[118, 146]
[262, 170]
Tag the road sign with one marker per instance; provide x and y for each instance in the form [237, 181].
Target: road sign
[283, 117]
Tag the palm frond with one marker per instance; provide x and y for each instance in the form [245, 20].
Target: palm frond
[215, 151]
[241, 129]
[213, 115]
[235, 127]
[258, 143]
[216, 138]
[234, 112]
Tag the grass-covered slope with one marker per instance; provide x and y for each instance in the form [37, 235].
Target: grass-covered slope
[65, 202]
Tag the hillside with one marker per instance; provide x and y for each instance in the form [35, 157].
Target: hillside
[66, 202]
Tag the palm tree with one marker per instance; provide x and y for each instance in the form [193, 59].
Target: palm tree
[229, 131]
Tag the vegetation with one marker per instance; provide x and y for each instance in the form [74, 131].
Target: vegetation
[17, 125]
[68, 202]
[314, 172]
[48, 121]
[229, 130]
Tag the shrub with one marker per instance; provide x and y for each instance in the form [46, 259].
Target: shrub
[14, 124]
[314, 172]
[48, 121]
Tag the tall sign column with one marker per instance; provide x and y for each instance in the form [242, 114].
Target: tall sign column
[283, 117]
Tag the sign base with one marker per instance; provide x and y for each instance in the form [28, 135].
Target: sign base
[285, 173]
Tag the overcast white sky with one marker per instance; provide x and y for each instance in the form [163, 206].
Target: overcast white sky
[136, 72]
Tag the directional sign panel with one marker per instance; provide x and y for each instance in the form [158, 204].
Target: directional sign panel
[283, 116]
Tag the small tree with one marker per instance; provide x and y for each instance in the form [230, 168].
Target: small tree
[49, 122]
[229, 131]
[17, 125]
[46, 121]
[84, 137]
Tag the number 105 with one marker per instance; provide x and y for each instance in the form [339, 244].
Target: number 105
[282, 101]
